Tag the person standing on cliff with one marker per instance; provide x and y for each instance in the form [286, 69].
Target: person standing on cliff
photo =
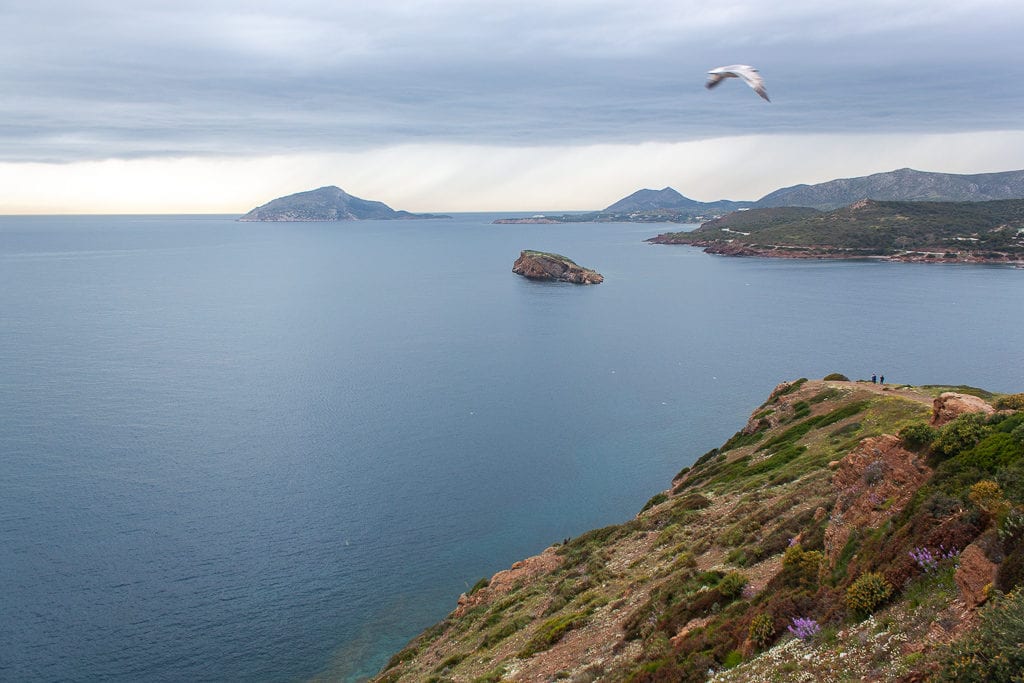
[881, 379]
[874, 378]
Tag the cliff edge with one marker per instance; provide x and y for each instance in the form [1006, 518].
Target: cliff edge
[843, 533]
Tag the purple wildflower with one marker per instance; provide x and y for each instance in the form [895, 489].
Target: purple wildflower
[928, 561]
[804, 627]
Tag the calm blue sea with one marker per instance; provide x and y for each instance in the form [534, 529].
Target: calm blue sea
[269, 452]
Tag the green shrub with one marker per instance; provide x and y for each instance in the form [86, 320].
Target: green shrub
[1010, 574]
[656, 499]
[1011, 402]
[762, 630]
[702, 460]
[918, 437]
[994, 451]
[992, 652]
[499, 634]
[801, 409]
[732, 585]
[1018, 434]
[734, 658]
[482, 583]
[867, 593]
[939, 505]
[551, 631]
[836, 377]
[694, 501]
[495, 676]
[800, 568]
[738, 557]
[741, 438]
[961, 434]
[988, 498]
[449, 662]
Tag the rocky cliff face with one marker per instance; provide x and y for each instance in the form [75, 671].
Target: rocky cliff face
[816, 511]
[539, 265]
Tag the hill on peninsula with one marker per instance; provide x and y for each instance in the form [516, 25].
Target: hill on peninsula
[667, 199]
[327, 204]
[643, 206]
[990, 231]
[849, 531]
[904, 184]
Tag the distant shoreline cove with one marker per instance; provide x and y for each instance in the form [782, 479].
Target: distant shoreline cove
[840, 253]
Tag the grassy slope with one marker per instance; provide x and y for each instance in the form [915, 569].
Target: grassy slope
[876, 227]
[671, 594]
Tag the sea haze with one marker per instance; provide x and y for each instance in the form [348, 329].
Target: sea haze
[267, 452]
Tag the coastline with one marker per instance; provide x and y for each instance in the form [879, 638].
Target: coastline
[840, 253]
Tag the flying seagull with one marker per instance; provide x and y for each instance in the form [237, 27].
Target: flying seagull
[747, 73]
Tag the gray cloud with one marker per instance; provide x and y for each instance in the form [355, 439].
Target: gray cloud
[102, 79]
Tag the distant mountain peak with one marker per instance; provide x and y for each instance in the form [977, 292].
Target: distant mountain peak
[669, 199]
[327, 203]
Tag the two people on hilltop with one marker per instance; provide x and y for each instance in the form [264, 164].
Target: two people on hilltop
[879, 380]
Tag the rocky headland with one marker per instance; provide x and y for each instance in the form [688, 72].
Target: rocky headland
[849, 531]
[930, 232]
[540, 265]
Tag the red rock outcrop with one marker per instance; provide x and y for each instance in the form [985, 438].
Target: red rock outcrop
[502, 582]
[874, 482]
[973, 574]
[951, 405]
[539, 265]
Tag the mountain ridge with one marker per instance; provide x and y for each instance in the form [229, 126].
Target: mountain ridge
[904, 184]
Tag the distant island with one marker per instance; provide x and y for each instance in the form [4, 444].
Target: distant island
[643, 206]
[541, 265]
[905, 184]
[328, 204]
[985, 232]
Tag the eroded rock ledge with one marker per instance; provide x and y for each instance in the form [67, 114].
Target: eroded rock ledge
[539, 265]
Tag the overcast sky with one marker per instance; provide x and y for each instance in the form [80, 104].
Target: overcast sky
[462, 105]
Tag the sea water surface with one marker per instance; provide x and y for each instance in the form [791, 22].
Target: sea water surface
[271, 452]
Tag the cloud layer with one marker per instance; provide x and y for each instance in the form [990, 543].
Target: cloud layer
[452, 82]
[111, 79]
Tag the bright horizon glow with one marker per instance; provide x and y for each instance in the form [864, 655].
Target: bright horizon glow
[466, 178]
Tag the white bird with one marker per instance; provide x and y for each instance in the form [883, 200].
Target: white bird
[747, 73]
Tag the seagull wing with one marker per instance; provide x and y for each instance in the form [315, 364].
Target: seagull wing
[753, 79]
[715, 78]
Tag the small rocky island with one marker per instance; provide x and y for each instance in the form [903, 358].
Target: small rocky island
[328, 204]
[540, 265]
